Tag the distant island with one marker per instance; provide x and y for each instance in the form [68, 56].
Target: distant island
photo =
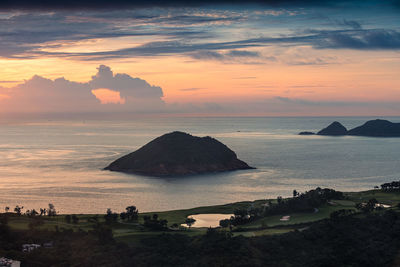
[372, 128]
[178, 154]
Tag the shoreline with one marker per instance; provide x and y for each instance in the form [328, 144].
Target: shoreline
[225, 206]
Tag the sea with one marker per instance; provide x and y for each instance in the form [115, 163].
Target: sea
[61, 162]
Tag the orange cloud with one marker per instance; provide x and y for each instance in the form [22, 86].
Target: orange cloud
[107, 96]
[3, 96]
[101, 93]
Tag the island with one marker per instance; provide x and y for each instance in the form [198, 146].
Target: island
[178, 154]
[306, 133]
[372, 128]
[377, 128]
[335, 128]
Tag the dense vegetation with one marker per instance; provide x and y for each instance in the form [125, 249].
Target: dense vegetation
[392, 186]
[347, 241]
[301, 202]
[341, 241]
[369, 236]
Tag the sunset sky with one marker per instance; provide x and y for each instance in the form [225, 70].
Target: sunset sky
[268, 58]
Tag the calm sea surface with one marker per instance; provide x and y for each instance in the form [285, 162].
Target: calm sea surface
[61, 162]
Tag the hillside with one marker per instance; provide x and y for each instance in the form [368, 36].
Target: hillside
[179, 153]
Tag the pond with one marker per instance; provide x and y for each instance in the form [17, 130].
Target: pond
[208, 220]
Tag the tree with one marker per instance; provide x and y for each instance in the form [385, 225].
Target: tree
[338, 214]
[295, 193]
[7, 209]
[75, 219]
[18, 210]
[190, 221]
[163, 224]
[110, 217]
[146, 218]
[43, 211]
[132, 213]
[32, 213]
[254, 212]
[367, 207]
[153, 223]
[224, 223]
[242, 216]
[51, 211]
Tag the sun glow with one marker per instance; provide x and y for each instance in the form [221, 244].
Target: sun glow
[107, 96]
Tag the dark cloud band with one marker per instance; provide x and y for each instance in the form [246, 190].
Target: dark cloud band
[106, 4]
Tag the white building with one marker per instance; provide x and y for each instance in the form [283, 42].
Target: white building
[29, 247]
[4, 262]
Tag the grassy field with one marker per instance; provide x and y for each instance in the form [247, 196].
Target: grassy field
[389, 198]
[132, 232]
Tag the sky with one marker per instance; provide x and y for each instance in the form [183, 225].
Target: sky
[200, 58]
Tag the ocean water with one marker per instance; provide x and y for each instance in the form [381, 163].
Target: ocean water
[61, 162]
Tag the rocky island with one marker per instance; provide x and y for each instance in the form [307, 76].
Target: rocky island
[377, 128]
[372, 128]
[177, 154]
[306, 133]
[335, 128]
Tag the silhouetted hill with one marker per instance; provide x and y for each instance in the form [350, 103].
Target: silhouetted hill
[335, 128]
[377, 128]
[373, 128]
[179, 153]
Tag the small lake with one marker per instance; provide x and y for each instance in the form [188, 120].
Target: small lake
[208, 220]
